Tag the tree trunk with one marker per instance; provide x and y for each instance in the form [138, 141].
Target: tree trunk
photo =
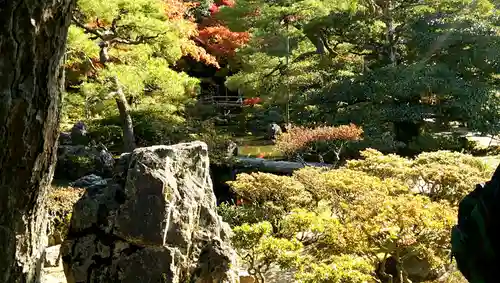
[32, 44]
[273, 166]
[127, 125]
[389, 23]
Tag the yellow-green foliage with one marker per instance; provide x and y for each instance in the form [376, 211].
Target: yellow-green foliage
[443, 175]
[143, 70]
[60, 208]
[263, 187]
[261, 249]
[351, 219]
[345, 268]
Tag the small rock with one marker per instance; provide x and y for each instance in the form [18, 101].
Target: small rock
[64, 138]
[79, 134]
[52, 256]
[418, 269]
[274, 131]
[89, 181]
[231, 150]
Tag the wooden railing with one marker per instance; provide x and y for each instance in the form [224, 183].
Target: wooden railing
[222, 100]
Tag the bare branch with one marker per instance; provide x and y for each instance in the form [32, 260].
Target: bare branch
[304, 56]
[139, 40]
[277, 68]
[326, 43]
[114, 23]
[111, 36]
[87, 29]
[99, 23]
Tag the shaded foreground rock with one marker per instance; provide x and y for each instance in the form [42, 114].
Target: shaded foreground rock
[156, 222]
[89, 181]
[76, 161]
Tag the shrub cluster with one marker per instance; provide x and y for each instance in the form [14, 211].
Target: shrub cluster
[320, 141]
[154, 127]
[377, 219]
[60, 208]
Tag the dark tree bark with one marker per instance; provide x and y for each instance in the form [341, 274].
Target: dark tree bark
[32, 44]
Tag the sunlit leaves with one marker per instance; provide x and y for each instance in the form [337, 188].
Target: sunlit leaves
[298, 138]
[344, 268]
[263, 187]
[365, 212]
[445, 53]
[259, 249]
[442, 175]
[80, 48]
[143, 70]
[107, 10]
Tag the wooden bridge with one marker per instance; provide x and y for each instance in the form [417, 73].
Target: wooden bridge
[220, 97]
[223, 101]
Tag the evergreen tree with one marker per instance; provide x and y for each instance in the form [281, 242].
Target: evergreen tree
[126, 49]
[389, 66]
[33, 39]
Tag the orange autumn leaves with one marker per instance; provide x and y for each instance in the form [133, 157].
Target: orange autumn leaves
[221, 41]
[209, 42]
[218, 39]
[298, 138]
[212, 40]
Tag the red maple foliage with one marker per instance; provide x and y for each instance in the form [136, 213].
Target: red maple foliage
[221, 41]
[299, 138]
[217, 38]
[211, 41]
[261, 155]
[175, 10]
[241, 201]
[214, 8]
[229, 3]
[252, 101]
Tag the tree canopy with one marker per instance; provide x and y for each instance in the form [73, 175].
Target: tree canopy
[375, 89]
[389, 66]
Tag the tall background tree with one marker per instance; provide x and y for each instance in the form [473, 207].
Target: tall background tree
[401, 69]
[32, 43]
[164, 55]
[128, 48]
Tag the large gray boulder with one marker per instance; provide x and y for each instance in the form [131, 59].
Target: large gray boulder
[157, 222]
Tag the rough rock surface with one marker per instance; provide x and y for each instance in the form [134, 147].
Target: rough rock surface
[52, 256]
[79, 134]
[89, 181]
[64, 138]
[76, 161]
[156, 222]
[274, 131]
